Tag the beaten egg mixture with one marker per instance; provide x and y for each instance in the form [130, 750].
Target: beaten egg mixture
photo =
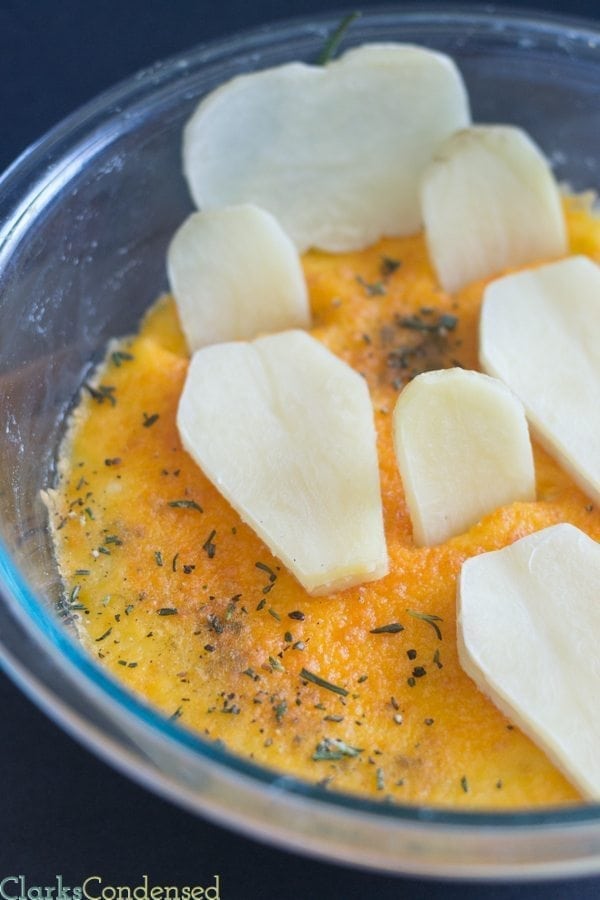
[359, 691]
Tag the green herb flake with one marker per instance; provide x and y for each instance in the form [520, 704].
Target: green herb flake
[158, 558]
[388, 266]
[280, 711]
[373, 289]
[251, 674]
[101, 393]
[120, 356]
[215, 623]
[334, 40]
[429, 618]
[209, 547]
[148, 421]
[167, 611]
[322, 682]
[464, 784]
[185, 504]
[105, 635]
[265, 568]
[392, 628]
[274, 613]
[275, 664]
[334, 748]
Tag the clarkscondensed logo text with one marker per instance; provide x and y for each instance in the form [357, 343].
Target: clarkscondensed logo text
[94, 887]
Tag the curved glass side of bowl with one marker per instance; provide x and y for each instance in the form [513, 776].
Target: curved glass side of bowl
[86, 216]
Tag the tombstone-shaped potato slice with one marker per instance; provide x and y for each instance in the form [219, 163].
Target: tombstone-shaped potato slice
[490, 202]
[336, 153]
[540, 334]
[235, 274]
[463, 449]
[528, 626]
[285, 431]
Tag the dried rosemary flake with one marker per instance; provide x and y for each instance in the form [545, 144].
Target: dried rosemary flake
[101, 393]
[334, 748]
[374, 289]
[392, 628]
[215, 623]
[280, 711]
[148, 421]
[167, 611]
[429, 618]
[333, 41]
[388, 266]
[209, 546]
[321, 682]
[105, 635]
[185, 504]
[120, 356]
[265, 568]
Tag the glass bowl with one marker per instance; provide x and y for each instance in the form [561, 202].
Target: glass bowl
[86, 215]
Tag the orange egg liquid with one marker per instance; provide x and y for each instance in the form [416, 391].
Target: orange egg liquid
[181, 601]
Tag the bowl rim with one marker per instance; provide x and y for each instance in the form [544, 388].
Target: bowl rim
[23, 187]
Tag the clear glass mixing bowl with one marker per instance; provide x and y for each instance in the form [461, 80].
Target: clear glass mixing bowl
[85, 217]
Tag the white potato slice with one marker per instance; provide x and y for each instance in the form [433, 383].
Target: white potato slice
[235, 274]
[540, 333]
[463, 450]
[490, 202]
[285, 431]
[528, 626]
[335, 152]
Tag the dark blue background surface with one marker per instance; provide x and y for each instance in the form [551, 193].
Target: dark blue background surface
[64, 812]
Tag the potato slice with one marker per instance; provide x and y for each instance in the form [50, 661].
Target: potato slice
[235, 274]
[285, 430]
[463, 449]
[540, 333]
[336, 152]
[490, 202]
[528, 626]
